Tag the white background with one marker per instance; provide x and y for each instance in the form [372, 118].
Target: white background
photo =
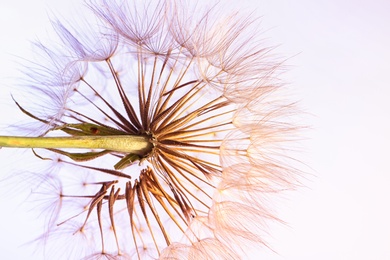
[339, 70]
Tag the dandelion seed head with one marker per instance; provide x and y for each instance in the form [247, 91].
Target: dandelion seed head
[198, 85]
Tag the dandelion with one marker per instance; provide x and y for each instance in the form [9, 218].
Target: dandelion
[164, 131]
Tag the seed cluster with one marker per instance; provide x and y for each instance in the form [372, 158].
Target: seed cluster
[198, 87]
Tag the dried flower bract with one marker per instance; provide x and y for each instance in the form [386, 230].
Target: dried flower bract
[180, 127]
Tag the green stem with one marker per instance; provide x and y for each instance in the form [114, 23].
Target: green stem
[137, 144]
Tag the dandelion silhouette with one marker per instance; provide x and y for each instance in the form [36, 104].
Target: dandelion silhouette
[169, 118]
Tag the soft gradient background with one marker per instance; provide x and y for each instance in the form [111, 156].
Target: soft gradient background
[339, 70]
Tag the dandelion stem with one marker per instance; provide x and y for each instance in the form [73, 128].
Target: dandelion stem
[137, 144]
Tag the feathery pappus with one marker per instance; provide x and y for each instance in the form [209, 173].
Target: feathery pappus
[165, 132]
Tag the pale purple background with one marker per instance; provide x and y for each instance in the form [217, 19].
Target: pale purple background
[340, 70]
